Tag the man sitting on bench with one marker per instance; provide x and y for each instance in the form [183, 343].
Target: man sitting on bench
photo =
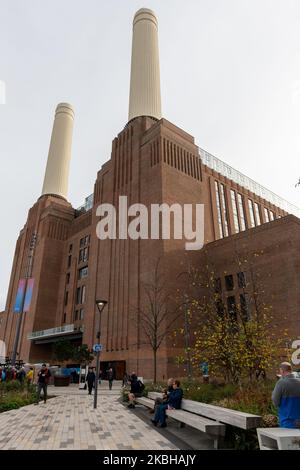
[173, 403]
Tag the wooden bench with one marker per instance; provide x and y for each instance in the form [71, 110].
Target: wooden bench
[209, 419]
[278, 439]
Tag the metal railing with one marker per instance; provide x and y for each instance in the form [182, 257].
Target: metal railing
[88, 204]
[226, 170]
[52, 331]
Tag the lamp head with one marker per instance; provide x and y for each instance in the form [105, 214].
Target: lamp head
[101, 304]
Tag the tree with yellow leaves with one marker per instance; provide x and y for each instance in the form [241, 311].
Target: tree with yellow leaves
[235, 342]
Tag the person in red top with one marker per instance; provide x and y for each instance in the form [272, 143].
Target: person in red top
[43, 380]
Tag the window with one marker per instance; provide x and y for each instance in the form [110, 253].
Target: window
[272, 217]
[69, 261]
[80, 295]
[83, 290]
[83, 272]
[257, 213]
[224, 210]
[65, 318]
[70, 248]
[229, 282]
[241, 210]
[81, 314]
[76, 315]
[83, 255]
[267, 217]
[218, 286]
[245, 310]
[231, 307]
[234, 211]
[66, 297]
[68, 278]
[251, 212]
[84, 241]
[219, 216]
[241, 280]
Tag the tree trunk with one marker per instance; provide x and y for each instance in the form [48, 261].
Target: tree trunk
[154, 365]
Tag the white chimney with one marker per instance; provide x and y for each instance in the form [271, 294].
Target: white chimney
[145, 97]
[57, 171]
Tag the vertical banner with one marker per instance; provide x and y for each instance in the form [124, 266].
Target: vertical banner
[20, 296]
[28, 295]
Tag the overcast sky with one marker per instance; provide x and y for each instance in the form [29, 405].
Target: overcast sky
[230, 75]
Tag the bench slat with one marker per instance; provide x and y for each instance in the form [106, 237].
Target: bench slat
[145, 401]
[224, 415]
[198, 422]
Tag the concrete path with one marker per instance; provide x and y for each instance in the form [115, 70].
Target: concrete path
[69, 421]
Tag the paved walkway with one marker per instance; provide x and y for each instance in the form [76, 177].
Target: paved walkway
[69, 421]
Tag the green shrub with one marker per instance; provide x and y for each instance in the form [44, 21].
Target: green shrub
[11, 385]
[13, 395]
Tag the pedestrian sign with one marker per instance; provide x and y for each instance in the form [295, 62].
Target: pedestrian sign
[97, 348]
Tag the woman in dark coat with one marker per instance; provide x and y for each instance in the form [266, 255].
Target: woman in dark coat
[90, 378]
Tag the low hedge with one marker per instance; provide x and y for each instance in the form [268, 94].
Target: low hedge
[14, 395]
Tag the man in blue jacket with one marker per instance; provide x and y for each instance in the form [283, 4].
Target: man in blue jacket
[286, 396]
[173, 403]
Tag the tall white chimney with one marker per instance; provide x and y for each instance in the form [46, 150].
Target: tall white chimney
[145, 97]
[57, 171]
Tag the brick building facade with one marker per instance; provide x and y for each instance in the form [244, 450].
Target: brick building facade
[152, 161]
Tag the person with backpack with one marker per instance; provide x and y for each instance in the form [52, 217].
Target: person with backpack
[136, 390]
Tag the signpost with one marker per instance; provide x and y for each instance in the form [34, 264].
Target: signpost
[97, 348]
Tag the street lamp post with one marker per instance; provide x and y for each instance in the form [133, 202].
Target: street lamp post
[100, 305]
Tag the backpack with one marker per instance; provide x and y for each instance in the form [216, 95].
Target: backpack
[141, 385]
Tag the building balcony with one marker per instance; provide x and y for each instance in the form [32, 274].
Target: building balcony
[52, 334]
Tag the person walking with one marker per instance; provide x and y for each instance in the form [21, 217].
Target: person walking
[286, 396]
[110, 377]
[43, 380]
[90, 378]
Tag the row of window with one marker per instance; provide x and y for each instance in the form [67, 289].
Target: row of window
[238, 211]
[244, 306]
[230, 283]
[82, 273]
[78, 315]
